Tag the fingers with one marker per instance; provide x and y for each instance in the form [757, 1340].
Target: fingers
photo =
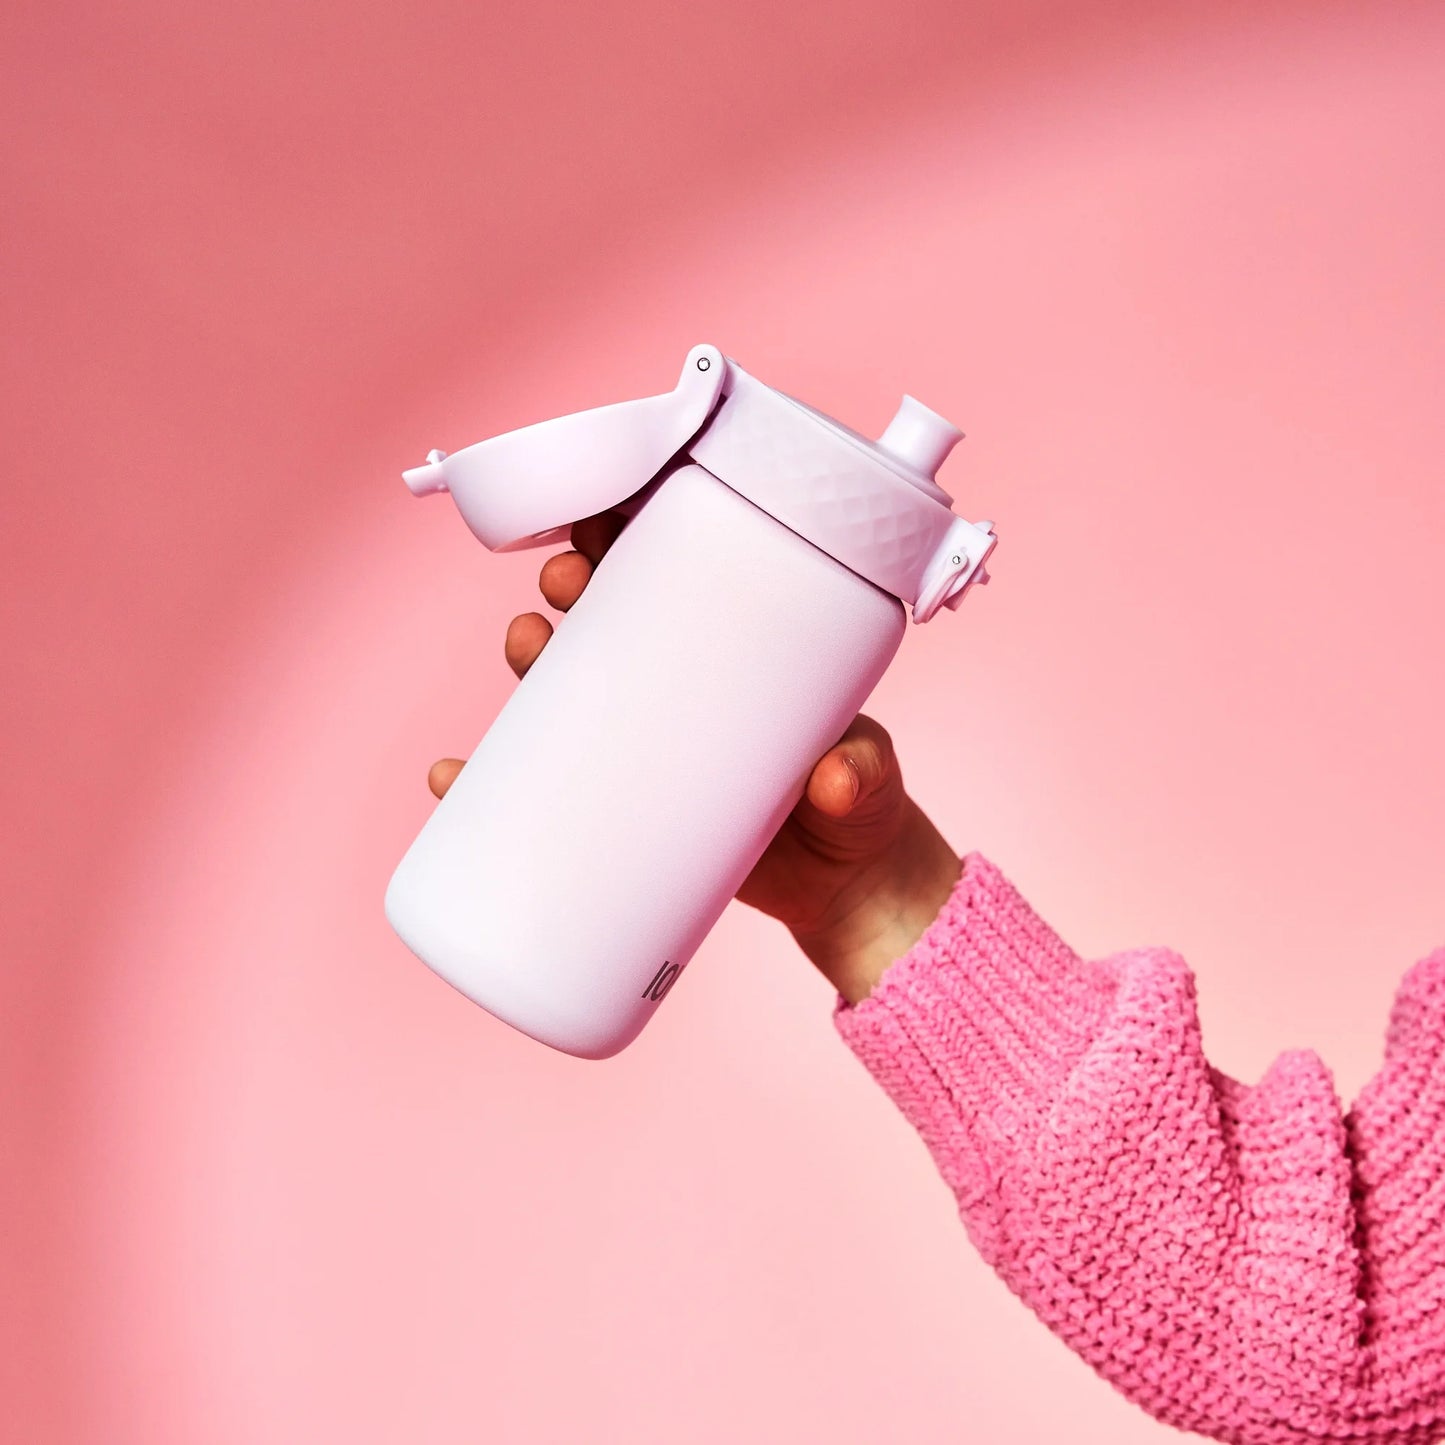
[562, 581]
[856, 768]
[563, 578]
[592, 536]
[443, 774]
[527, 635]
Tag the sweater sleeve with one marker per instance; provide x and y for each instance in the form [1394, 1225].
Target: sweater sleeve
[1248, 1262]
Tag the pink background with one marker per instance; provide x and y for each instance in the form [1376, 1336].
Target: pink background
[1179, 275]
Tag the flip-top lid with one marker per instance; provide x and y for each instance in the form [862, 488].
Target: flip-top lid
[873, 505]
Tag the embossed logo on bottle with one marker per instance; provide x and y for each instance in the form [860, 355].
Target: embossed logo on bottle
[662, 980]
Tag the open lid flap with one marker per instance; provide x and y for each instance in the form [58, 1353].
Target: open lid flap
[525, 487]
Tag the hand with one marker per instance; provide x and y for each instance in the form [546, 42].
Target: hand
[856, 873]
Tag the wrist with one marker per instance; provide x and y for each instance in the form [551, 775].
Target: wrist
[885, 908]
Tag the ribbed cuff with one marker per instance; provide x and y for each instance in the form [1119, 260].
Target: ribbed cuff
[980, 1022]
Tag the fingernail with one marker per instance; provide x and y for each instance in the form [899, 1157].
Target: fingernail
[853, 774]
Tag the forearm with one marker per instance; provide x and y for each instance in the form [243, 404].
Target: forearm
[1241, 1261]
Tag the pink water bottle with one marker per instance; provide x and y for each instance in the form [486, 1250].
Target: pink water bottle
[724, 643]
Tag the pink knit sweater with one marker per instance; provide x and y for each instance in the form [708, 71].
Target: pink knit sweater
[1244, 1261]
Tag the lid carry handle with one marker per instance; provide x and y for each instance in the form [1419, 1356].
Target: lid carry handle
[523, 488]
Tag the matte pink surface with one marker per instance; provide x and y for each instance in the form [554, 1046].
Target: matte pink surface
[1178, 276]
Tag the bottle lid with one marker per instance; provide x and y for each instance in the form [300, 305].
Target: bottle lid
[875, 506]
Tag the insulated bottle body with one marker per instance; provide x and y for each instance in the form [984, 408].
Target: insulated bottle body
[641, 766]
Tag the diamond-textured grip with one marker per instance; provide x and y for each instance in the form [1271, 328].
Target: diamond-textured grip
[816, 480]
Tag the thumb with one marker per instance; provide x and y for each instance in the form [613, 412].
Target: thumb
[857, 773]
